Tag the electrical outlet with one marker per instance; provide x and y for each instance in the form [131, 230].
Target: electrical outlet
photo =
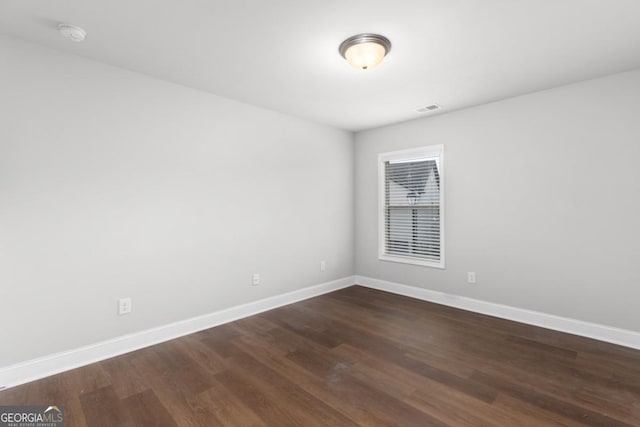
[124, 306]
[255, 279]
[323, 266]
[471, 277]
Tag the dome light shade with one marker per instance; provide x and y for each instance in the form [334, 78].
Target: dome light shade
[365, 51]
[71, 32]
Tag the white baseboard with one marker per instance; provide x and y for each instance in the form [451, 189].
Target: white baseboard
[596, 331]
[31, 370]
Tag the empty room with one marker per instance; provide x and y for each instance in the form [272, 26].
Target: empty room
[339, 213]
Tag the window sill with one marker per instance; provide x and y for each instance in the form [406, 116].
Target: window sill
[413, 261]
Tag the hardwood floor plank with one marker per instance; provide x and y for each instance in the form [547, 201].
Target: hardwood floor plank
[391, 379]
[318, 387]
[181, 370]
[124, 377]
[616, 402]
[298, 323]
[458, 409]
[200, 353]
[523, 410]
[338, 378]
[571, 354]
[296, 398]
[229, 409]
[268, 408]
[445, 362]
[184, 406]
[549, 403]
[73, 413]
[219, 337]
[145, 409]
[384, 405]
[102, 408]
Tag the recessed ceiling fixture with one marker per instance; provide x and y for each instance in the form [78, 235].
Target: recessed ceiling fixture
[71, 32]
[365, 51]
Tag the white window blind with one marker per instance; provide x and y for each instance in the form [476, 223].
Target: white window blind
[411, 207]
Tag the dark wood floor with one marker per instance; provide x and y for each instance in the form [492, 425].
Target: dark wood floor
[355, 357]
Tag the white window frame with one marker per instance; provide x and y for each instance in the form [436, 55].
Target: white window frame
[408, 155]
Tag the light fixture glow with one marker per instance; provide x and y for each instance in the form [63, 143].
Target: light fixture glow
[365, 51]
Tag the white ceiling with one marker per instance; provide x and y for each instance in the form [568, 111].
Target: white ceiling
[283, 54]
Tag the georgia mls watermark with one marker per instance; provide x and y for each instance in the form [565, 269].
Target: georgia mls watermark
[31, 416]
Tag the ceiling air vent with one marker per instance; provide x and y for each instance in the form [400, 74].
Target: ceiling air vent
[429, 108]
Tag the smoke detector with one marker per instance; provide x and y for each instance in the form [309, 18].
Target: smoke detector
[71, 32]
[429, 108]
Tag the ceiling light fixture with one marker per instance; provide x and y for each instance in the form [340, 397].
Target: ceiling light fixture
[71, 32]
[365, 51]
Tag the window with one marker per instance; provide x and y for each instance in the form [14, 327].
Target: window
[411, 202]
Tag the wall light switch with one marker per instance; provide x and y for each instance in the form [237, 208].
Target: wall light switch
[255, 279]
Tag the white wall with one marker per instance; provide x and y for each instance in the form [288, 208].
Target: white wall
[115, 184]
[542, 201]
